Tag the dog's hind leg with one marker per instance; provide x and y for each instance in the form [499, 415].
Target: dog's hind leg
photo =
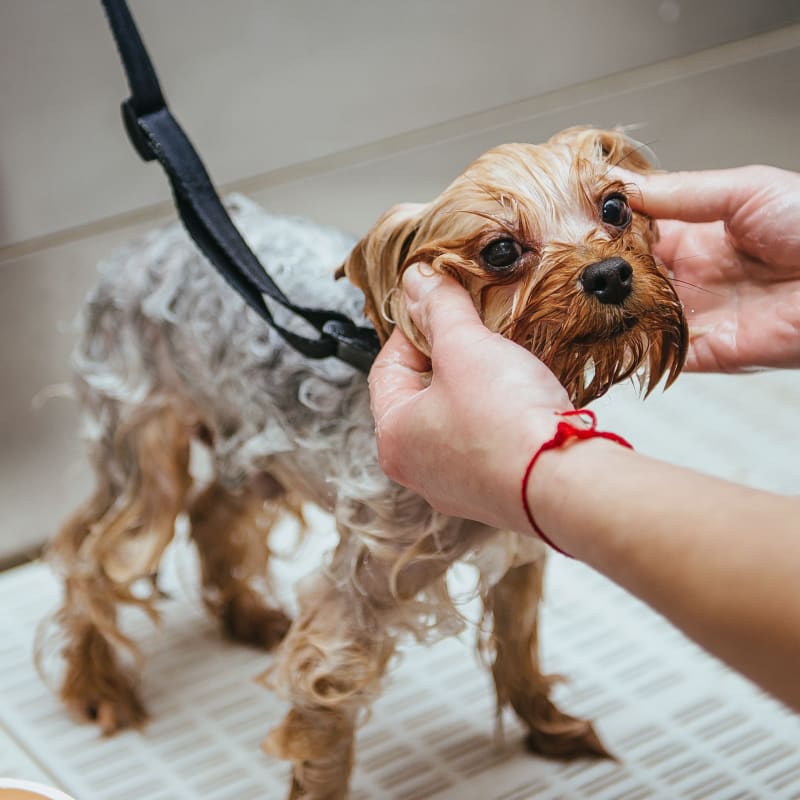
[108, 554]
[231, 531]
[513, 604]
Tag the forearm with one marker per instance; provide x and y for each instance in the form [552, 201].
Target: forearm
[721, 561]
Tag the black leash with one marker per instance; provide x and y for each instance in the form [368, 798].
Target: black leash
[156, 134]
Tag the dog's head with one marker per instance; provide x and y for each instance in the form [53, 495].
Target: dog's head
[545, 242]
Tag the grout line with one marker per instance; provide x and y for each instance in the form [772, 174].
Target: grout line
[619, 83]
[146, 214]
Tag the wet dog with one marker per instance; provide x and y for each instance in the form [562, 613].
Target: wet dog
[543, 238]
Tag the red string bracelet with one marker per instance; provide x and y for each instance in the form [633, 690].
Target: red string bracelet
[564, 432]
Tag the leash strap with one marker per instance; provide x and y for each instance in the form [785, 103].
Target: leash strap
[156, 134]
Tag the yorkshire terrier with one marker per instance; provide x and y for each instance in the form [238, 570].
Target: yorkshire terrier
[543, 238]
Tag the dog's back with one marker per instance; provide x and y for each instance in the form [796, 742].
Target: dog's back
[162, 326]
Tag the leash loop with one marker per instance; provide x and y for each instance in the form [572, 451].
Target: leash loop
[156, 134]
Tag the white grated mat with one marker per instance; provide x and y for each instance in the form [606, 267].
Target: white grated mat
[16, 763]
[680, 723]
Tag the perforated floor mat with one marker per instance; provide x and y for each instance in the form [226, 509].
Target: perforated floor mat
[680, 723]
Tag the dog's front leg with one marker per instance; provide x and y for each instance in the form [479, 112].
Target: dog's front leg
[514, 605]
[331, 663]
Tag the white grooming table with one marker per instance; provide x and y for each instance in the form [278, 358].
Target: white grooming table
[680, 723]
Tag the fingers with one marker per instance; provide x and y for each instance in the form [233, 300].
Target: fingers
[438, 305]
[672, 244]
[396, 374]
[694, 196]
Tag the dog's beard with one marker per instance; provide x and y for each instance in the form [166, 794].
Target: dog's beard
[589, 370]
[590, 347]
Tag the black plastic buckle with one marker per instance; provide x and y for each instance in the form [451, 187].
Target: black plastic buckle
[139, 140]
[354, 345]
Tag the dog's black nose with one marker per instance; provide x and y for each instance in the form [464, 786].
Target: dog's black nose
[609, 281]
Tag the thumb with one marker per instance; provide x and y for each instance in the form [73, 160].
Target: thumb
[396, 376]
[440, 307]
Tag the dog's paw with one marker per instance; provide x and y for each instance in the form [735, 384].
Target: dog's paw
[558, 735]
[109, 714]
[320, 743]
[96, 688]
[246, 618]
[106, 698]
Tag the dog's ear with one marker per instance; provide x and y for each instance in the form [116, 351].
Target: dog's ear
[620, 150]
[615, 147]
[375, 262]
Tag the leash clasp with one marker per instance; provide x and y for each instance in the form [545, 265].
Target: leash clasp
[139, 140]
[355, 345]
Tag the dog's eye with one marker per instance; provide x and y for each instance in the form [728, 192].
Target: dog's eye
[501, 253]
[616, 211]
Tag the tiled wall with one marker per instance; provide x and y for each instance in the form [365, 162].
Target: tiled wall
[334, 111]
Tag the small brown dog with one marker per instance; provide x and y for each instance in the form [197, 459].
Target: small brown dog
[547, 245]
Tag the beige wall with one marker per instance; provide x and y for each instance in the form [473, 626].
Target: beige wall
[335, 111]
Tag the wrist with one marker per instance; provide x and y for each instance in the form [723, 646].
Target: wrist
[566, 477]
[505, 461]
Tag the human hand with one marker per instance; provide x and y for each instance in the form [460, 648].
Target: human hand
[462, 437]
[732, 239]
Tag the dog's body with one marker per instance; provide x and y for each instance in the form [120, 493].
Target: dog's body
[170, 354]
[162, 326]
